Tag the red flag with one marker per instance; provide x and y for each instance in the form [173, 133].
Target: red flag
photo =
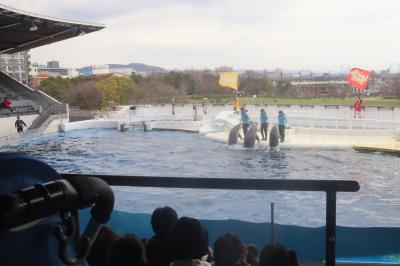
[358, 78]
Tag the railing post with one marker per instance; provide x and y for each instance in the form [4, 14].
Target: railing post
[330, 231]
[67, 106]
[272, 222]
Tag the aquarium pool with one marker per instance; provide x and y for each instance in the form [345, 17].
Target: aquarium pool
[99, 151]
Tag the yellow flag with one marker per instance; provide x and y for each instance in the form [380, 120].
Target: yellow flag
[229, 79]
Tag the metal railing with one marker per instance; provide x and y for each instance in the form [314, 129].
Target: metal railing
[343, 124]
[50, 110]
[330, 187]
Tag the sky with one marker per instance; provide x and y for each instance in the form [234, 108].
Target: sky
[326, 35]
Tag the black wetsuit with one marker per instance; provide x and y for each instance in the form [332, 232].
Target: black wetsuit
[264, 130]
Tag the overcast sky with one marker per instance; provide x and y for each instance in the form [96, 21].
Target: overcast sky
[292, 34]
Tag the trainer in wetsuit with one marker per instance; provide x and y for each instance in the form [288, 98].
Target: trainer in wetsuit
[19, 124]
[282, 123]
[245, 119]
[264, 124]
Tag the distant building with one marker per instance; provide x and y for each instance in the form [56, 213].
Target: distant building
[38, 79]
[73, 73]
[86, 71]
[124, 71]
[38, 72]
[94, 70]
[16, 65]
[53, 64]
[100, 69]
[54, 72]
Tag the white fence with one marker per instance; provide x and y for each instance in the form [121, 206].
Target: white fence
[345, 124]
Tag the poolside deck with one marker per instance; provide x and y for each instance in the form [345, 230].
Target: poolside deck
[323, 139]
[388, 148]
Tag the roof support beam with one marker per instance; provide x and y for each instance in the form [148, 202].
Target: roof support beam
[9, 25]
[38, 40]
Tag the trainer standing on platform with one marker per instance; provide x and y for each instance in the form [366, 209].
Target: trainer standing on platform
[245, 119]
[264, 124]
[282, 124]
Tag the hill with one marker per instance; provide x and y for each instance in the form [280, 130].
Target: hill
[138, 67]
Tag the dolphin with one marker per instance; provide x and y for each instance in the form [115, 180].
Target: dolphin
[251, 136]
[274, 136]
[234, 135]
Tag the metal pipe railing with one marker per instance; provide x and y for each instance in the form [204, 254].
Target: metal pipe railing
[330, 187]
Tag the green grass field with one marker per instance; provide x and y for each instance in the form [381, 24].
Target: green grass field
[317, 101]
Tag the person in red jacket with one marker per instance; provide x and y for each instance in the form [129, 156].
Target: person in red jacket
[357, 108]
[6, 104]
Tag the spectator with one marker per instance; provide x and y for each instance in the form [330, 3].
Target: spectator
[282, 124]
[6, 104]
[19, 124]
[157, 248]
[227, 250]
[243, 255]
[189, 243]
[252, 254]
[99, 251]
[277, 255]
[126, 250]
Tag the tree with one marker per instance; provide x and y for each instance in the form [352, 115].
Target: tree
[283, 86]
[55, 86]
[115, 89]
[395, 87]
[83, 94]
[175, 78]
[254, 83]
[137, 78]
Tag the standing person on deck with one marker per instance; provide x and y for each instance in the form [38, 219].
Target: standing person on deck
[282, 124]
[19, 124]
[236, 102]
[245, 119]
[357, 108]
[264, 124]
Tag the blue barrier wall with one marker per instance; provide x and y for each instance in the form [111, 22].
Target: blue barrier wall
[380, 244]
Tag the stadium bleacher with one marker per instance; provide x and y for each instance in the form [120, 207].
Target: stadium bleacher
[23, 98]
[22, 105]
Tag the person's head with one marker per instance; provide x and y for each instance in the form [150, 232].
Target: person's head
[17, 117]
[162, 220]
[227, 250]
[98, 253]
[242, 109]
[252, 253]
[243, 253]
[188, 239]
[277, 255]
[5, 97]
[262, 110]
[126, 250]
[280, 112]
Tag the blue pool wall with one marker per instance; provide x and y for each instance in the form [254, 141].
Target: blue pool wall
[372, 244]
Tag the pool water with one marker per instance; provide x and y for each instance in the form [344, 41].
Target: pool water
[192, 155]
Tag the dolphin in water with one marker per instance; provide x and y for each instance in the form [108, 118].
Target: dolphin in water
[251, 136]
[274, 136]
[234, 135]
